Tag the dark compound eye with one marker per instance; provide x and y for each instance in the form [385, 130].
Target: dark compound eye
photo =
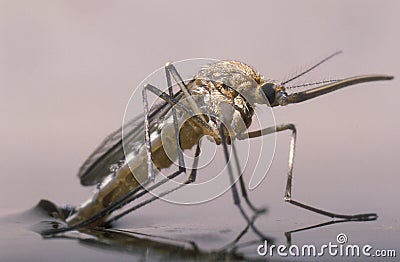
[269, 91]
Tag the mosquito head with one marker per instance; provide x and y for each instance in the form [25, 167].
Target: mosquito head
[274, 92]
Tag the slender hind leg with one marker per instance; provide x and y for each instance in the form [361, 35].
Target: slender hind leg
[242, 184]
[235, 195]
[288, 191]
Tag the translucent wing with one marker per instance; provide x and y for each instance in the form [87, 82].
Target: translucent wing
[110, 151]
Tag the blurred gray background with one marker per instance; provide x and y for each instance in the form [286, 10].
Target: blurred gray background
[68, 68]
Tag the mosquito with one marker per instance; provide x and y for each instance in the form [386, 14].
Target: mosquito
[223, 83]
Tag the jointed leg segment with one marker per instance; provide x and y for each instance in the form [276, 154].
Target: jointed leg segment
[288, 190]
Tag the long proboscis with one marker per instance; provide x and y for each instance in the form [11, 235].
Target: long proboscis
[324, 89]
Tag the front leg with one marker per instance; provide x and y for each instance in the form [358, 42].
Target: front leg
[288, 190]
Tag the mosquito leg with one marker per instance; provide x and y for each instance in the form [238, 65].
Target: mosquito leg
[235, 195]
[191, 179]
[169, 67]
[174, 102]
[242, 184]
[176, 127]
[288, 191]
[170, 99]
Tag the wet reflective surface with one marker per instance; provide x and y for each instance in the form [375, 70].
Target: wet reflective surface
[203, 233]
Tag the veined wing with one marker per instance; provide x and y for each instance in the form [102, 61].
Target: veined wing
[111, 151]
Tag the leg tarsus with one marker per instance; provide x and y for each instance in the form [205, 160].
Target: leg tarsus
[357, 217]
